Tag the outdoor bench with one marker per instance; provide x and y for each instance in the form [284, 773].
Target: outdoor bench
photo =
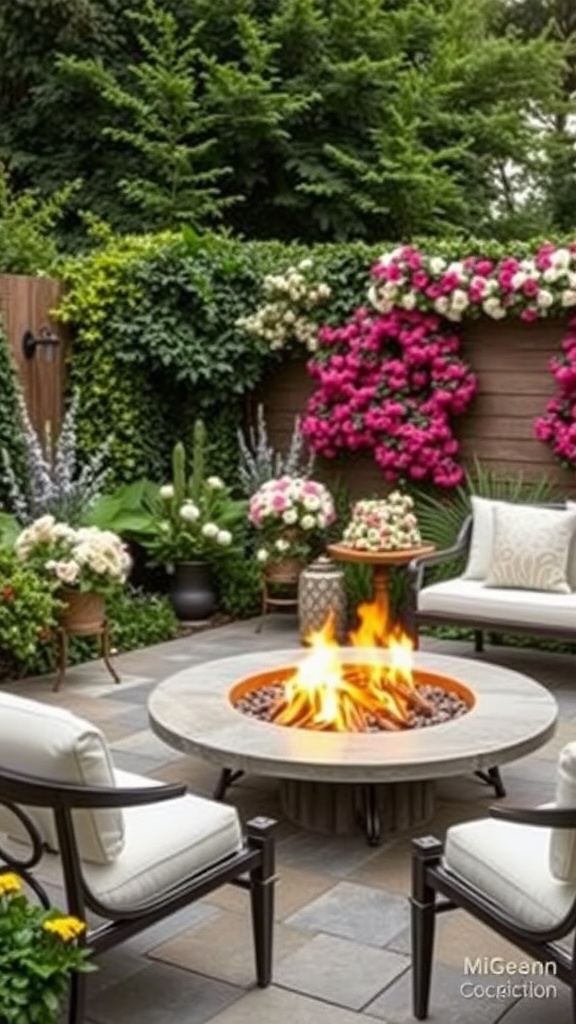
[519, 575]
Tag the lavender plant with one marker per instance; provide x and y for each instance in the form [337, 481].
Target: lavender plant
[259, 462]
[52, 482]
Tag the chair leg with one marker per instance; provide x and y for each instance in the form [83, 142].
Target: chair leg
[262, 881]
[77, 998]
[423, 907]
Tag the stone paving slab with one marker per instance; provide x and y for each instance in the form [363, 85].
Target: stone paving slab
[278, 1006]
[447, 1004]
[369, 916]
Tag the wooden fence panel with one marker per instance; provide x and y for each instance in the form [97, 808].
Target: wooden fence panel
[27, 304]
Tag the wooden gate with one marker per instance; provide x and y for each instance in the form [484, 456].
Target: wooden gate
[37, 344]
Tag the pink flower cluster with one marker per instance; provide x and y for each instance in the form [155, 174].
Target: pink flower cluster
[390, 384]
[557, 427]
[544, 284]
[291, 502]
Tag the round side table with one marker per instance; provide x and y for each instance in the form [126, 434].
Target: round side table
[381, 561]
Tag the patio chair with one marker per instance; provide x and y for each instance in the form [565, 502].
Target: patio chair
[130, 850]
[514, 871]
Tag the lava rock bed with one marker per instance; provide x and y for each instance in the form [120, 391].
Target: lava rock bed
[261, 702]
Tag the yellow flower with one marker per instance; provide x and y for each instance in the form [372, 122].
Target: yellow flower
[10, 882]
[66, 928]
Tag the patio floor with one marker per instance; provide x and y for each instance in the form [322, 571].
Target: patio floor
[342, 940]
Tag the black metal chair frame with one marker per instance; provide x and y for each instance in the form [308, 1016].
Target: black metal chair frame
[431, 879]
[252, 868]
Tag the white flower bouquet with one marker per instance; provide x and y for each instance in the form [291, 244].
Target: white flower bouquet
[84, 558]
[387, 524]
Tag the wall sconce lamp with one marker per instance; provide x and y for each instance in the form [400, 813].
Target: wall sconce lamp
[47, 340]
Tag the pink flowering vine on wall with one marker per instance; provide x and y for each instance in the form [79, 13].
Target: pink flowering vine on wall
[392, 381]
[557, 427]
[391, 384]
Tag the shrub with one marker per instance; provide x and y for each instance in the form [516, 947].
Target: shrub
[27, 616]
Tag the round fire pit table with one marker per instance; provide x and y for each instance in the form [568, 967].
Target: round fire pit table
[331, 780]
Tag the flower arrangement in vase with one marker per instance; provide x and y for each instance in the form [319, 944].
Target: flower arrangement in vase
[383, 524]
[39, 951]
[289, 513]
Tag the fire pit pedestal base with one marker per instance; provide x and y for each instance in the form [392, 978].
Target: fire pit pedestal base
[380, 811]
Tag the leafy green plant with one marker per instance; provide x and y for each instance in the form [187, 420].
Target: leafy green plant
[139, 619]
[39, 951]
[239, 584]
[27, 615]
[194, 517]
[28, 243]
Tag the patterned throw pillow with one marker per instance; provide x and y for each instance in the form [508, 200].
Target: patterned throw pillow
[530, 548]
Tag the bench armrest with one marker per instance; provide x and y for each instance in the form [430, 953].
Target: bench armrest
[418, 566]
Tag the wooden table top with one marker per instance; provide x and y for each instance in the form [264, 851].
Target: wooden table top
[346, 553]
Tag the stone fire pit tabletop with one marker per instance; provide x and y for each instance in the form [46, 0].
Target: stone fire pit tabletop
[512, 716]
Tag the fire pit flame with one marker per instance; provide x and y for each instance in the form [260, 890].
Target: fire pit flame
[325, 693]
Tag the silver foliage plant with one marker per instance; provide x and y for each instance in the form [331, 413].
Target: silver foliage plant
[52, 482]
[259, 461]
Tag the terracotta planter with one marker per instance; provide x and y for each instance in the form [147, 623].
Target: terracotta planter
[84, 612]
[287, 571]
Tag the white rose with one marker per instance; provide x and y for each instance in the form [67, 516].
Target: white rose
[492, 307]
[408, 300]
[544, 299]
[290, 516]
[568, 298]
[441, 304]
[215, 483]
[167, 491]
[552, 274]
[437, 264]
[210, 531]
[262, 555]
[459, 300]
[308, 522]
[561, 258]
[224, 537]
[189, 512]
[281, 545]
[518, 279]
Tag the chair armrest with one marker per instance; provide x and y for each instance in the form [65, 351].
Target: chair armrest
[33, 791]
[546, 817]
[417, 567]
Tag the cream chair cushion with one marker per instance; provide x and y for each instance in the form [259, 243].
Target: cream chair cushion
[530, 548]
[563, 840]
[509, 863]
[163, 844]
[55, 744]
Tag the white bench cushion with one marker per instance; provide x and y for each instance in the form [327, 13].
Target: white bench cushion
[509, 863]
[55, 744]
[465, 599]
[164, 843]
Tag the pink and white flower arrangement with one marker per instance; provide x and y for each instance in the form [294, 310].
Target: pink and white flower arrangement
[86, 558]
[529, 288]
[289, 512]
[557, 427]
[391, 384]
[387, 524]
